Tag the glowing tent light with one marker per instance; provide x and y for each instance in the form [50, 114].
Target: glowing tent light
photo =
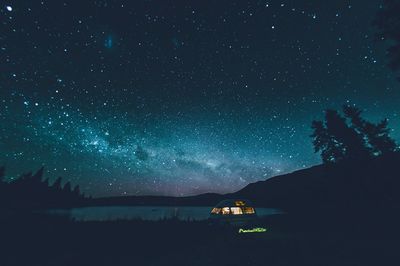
[234, 212]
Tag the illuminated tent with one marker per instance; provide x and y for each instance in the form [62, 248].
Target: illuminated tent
[234, 211]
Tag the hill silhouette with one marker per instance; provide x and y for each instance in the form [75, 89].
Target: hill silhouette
[372, 183]
[359, 172]
[363, 185]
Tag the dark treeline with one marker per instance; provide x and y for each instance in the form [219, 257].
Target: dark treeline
[359, 174]
[351, 137]
[31, 191]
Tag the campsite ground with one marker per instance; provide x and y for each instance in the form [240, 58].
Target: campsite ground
[289, 241]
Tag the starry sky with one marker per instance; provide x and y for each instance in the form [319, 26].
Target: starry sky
[181, 97]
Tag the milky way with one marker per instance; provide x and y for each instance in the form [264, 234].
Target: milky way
[171, 98]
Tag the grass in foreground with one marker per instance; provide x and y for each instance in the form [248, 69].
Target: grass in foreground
[39, 240]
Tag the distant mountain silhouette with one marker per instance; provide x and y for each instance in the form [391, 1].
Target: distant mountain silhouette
[368, 184]
[207, 199]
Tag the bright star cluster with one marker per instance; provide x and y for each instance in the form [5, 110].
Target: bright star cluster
[181, 98]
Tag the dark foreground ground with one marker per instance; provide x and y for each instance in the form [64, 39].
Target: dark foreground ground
[290, 240]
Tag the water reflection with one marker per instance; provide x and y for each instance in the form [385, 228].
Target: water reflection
[153, 213]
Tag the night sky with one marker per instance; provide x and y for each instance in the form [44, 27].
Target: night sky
[181, 97]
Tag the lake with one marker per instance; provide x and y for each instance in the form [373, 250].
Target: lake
[153, 213]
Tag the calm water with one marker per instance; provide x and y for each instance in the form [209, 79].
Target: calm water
[144, 213]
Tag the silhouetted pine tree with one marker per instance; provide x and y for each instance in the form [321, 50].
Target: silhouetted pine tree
[46, 182]
[376, 136]
[20, 186]
[329, 148]
[37, 177]
[31, 191]
[67, 187]
[379, 138]
[57, 184]
[336, 140]
[354, 114]
[2, 173]
[3, 188]
[339, 140]
[77, 191]
[3, 184]
[22, 179]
